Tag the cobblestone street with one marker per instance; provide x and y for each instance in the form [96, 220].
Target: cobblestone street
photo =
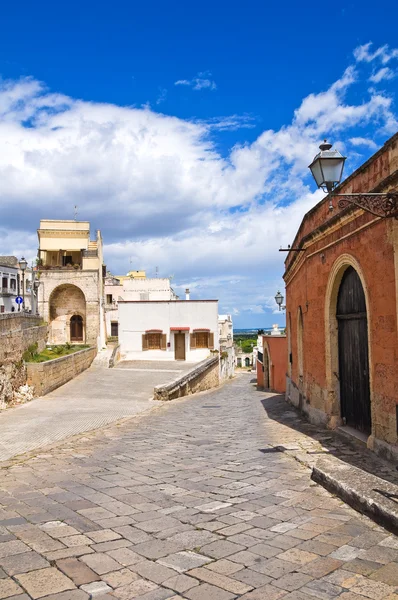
[190, 501]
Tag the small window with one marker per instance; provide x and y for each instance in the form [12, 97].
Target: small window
[13, 284]
[2, 309]
[154, 341]
[202, 339]
[109, 298]
[144, 296]
[114, 329]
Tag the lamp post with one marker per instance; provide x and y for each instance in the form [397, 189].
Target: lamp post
[327, 170]
[279, 300]
[22, 265]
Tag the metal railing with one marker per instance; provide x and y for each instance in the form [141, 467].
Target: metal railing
[8, 291]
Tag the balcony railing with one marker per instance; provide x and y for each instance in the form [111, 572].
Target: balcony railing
[8, 291]
[75, 267]
[90, 253]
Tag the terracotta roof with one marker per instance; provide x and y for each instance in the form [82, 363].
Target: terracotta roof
[179, 328]
[202, 329]
[153, 330]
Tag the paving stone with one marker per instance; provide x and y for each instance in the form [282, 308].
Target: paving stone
[184, 561]
[299, 557]
[8, 588]
[76, 570]
[100, 563]
[193, 539]
[153, 571]
[125, 556]
[180, 583]
[321, 567]
[273, 567]
[220, 549]
[223, 566]
[322, 590]
[343, 578]
[97, 588]
[157, 548]
[135, 589]
[13, 547]
[22, 563]
[345, 553]
[158, 594]
[387, 574]
[379, 554]
[69, 595]
[265, 550]
[208, 592]
[222, 581]
[292, 581]
[103, 535]
[44, 582]
[112, 545]
[69, 552]
[267, 592]
[120, 578]
[372, 589]
[251, 577]
[362, 567]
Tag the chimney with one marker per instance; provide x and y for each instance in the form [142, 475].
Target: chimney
[187, 294]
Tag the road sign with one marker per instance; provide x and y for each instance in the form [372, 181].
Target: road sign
[19, 299]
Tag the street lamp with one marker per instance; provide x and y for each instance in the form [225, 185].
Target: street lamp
[22, 265]
[279, 300]
[35, 294]
[327, 170]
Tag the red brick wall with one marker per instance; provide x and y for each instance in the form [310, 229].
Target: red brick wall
[372, 246]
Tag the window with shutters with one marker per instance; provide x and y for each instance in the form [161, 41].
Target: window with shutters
[202, 339]
[154, 341]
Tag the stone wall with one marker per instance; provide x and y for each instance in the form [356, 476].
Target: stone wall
[227, 363]
[204, 376]
[47, 376]
[17, 333]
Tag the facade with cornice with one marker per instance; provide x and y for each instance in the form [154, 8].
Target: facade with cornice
[342, 311]
[71, 291]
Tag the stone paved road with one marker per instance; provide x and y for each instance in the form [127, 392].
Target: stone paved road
[188, 502]
[95, 398]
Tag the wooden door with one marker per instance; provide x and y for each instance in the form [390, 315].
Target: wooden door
[353, 352]
[76, 329]
[179, 346]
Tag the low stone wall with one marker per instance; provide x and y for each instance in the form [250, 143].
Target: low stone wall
[204, 376]
[17, 333]
[49, 375]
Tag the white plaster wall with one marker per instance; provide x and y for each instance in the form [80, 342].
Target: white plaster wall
[137, 317]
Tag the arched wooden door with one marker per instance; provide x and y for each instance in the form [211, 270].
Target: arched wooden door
[76, 328]
[353, 352]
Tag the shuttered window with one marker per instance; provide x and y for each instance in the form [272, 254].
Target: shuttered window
[154, 341]
[202, 339]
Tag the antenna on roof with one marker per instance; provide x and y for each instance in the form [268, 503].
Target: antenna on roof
[75, 213]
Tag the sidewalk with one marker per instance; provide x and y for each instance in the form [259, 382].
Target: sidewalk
[346, 468]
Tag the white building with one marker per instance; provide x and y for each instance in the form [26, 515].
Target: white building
[168, 329]
[9, 281]
[135, 286]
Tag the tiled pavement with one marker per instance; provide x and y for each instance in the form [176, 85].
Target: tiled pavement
[95, 398]
[189, 502]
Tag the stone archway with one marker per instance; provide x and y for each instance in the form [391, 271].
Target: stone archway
[333, 401]
[66, 302]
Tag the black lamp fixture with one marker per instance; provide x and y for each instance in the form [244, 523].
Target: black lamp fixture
[327, 170]
[22, 265]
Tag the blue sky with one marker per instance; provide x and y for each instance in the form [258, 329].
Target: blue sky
[183, 131]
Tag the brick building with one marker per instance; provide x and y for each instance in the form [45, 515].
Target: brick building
[342, 311]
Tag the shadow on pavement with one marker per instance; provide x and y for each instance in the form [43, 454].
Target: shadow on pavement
[278, 409]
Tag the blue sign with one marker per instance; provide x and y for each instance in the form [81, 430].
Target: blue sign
[19, 299]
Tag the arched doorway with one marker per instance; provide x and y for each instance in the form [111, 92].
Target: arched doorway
[66, 302]
[353, 352]
[76, 328]
[247, 362]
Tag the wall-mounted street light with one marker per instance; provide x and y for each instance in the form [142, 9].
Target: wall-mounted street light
[22, 265]
[327, 170]
[279, 300]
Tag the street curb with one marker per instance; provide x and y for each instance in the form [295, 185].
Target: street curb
[364, 492]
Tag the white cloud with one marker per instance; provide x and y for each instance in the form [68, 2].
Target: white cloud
[202, 81]
[382, 74]
[361, 141]
[161, 191]
[384, 53]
